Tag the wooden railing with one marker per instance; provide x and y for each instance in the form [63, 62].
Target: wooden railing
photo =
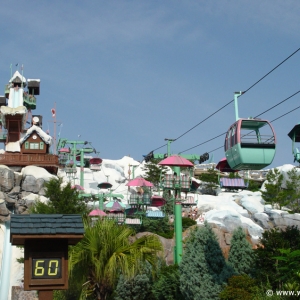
[17, 159]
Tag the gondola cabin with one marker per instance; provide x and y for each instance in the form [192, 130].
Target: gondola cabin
[294, 134]
[250, 144]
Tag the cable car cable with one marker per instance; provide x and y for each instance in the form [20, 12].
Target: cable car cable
[271, 71]
[254, 117]
[243, 93]
[230, 101]
[278, 103]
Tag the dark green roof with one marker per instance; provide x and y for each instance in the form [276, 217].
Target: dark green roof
[46, 224]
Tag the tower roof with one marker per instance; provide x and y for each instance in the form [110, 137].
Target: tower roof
[17, 77]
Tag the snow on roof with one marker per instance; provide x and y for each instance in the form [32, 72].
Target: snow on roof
[17, 74]
[13, 147]
[20, 110]
[42, 134]
[28, 80]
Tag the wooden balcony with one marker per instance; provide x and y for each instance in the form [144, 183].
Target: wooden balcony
[47, 161]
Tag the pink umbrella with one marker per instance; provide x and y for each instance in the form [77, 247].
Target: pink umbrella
[139, 181]
[97, 212]
[116, 206]
[176, 160]
[78, 187]
[64, 150]
[223, 166]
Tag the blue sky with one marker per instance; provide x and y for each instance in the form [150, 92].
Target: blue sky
[125, 75]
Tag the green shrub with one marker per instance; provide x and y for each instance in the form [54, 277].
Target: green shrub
[187, 222]
[239, 287]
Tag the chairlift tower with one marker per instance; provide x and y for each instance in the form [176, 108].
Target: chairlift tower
[177, 185]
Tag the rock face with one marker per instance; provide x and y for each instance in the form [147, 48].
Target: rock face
[15, 188]
[7, 179]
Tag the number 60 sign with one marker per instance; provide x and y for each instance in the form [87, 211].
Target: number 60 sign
[46, 268]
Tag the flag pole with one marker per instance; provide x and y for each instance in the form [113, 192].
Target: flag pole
[53, 111]
[54, 132]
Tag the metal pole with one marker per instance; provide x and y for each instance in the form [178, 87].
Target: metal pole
[81, 168]
[168, 146]
[178, 232]
[178, 222]
[6, 262]
[236, 108]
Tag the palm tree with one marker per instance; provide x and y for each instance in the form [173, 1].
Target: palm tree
[108, 250]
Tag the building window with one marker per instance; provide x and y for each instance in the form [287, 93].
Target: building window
[34, 146]
[26, 145]
[41, 145]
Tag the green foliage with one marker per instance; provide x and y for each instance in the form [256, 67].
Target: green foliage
[274, 193]
[234, 175]
[203, 269]
[159, 226]
[154, 172]
[241, 255]
[211, 176]
[137, 288]
[106, 252]
[239, 287]
[293, 190]
[254, 186]
[187, 222]
[288, 264]
[166, 287]
[62, 200]
[283, 193]
[169, 206]
[211, 179]
[271, 242]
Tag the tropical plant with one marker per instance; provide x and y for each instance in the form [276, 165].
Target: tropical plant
[241, 255]
[203, 269]
[62, 200]
[108, 251]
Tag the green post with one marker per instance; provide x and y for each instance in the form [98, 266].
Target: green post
[236, 108]
[169, 141]
[81, 168]
[178, 232]
[178, 222]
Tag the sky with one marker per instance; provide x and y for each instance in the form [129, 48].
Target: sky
[125, 75]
